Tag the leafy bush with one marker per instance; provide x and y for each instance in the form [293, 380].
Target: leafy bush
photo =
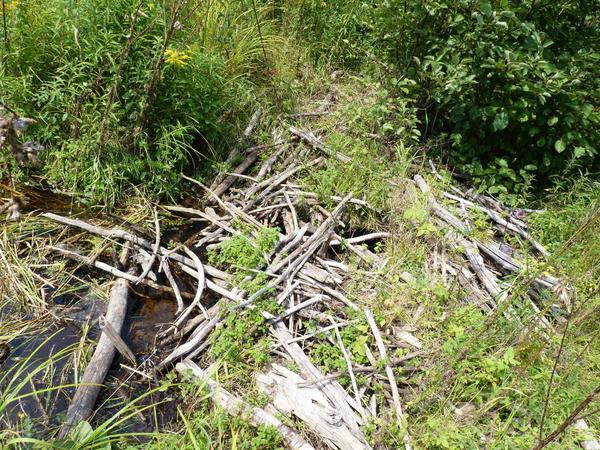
[512, 83]
[132, 93]
[511, 86]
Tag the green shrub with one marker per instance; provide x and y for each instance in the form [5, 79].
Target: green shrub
[123, 96]
[512, 84]
[511, 87]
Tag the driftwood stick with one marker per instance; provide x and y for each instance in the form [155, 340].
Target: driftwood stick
[338, 295]
[233, 154]
[270, 161]
[313, 141]
[112, 270]
[238, 407]
[117, 233]
[299, 306]
[318, 234]
[358, 239]
[310, 405]
[154, 250]
[212, 285]
[200, 334]
[297, 238]
[293, 267]
[200, 289]
[82, 404]
[271, 183]
[116, 339]
[240, 169]
[253, 122]
[173, 283]
[231, 209]
[389, 372]
[357, 396]
[335, 198]
[214, 219]
[166, 337]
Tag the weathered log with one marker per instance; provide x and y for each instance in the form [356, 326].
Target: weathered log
[237, 407]
[332, 390]
[311, 405]
[82, 404]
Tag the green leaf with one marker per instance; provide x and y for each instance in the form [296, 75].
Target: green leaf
[552, 120]
[500, 121]
[547, 159]
[81, 432]
[579, 151]
[415, 212]
[358, 346]
[560, 146]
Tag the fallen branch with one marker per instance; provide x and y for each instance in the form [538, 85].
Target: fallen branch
[313, 141]
[116, 339]
[236, 407]
[82, 404]
[389, 372]
[569, 420]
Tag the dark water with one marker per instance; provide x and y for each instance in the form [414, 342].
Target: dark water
[44, 359]
[21, 373]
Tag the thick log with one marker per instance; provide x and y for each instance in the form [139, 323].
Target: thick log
[311, 405]
[334, 392]
[82, 404]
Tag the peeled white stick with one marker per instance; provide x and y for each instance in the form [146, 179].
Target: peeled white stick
[389, 373]
[236, 406]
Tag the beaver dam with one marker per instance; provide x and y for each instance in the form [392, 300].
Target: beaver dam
[260, 269]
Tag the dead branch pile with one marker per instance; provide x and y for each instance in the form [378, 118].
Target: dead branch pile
[499, 277]
[493, 268]
[307, 276]
[305, 273]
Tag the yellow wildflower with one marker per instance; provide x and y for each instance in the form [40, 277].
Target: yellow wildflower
[176, 57]
[9, 6]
